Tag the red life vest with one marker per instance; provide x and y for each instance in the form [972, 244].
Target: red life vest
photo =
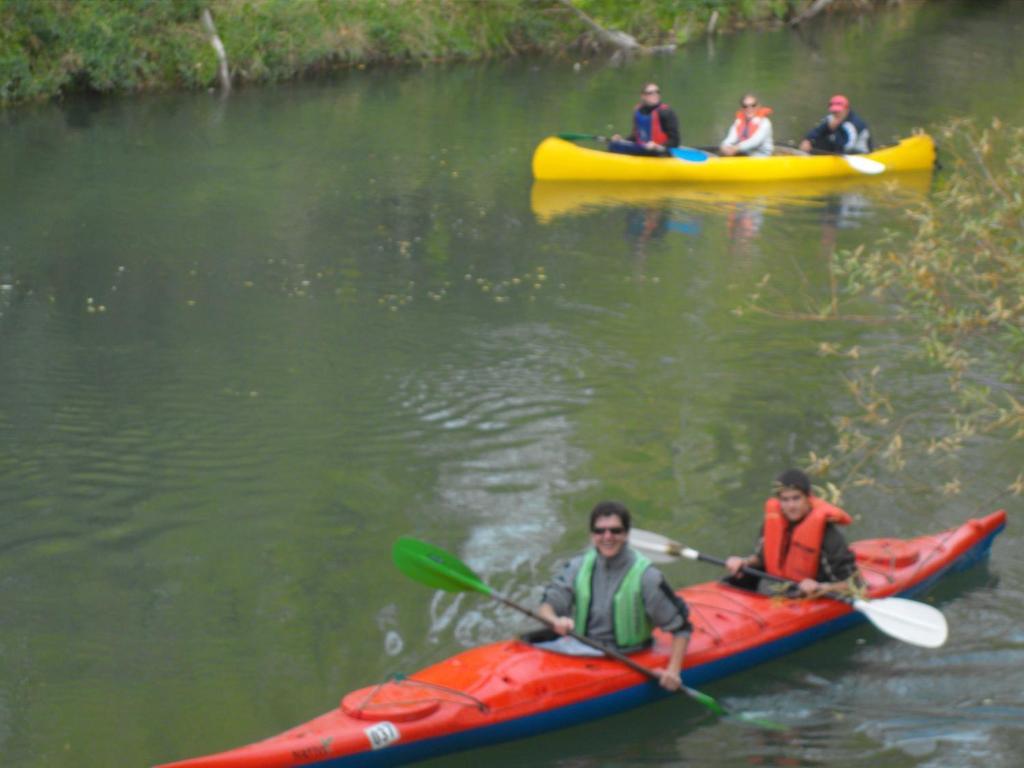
[649, 126]
[745, 128]
[800, 558]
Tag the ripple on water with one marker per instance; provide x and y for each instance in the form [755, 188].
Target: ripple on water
[498, 430]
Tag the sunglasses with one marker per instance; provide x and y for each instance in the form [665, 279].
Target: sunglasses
[616, 530]
[650, 93]
[747, 106]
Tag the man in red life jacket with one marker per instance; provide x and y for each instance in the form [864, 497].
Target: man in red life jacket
[655, 127]
[800, 541]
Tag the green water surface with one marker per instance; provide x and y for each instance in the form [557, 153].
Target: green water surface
[245, 344]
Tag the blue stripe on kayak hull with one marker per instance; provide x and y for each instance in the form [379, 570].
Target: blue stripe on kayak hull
[635, 696]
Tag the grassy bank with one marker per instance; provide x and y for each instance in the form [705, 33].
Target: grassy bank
[49, 48]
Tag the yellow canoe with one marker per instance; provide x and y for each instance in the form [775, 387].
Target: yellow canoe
[556, 159]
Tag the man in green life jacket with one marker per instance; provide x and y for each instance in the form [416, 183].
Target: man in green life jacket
[614, 595]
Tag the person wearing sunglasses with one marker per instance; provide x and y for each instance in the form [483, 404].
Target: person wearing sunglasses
[613, 594]
[655, 127]
[841, 131]
[751, 132]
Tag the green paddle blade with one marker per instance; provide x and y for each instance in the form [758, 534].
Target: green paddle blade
[707, 701]
[713, 706]
[758, 722]
[577, 136]
[434, 567]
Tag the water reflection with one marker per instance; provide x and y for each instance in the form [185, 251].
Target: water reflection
[552, 200]
[498, 428]
[743, 224]
[647, 225]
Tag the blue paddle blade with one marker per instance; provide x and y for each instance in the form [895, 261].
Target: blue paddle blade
[434, 567]
[689, 154]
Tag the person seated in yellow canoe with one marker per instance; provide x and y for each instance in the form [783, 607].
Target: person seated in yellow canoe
[655, 127]
[751, 132]
[614, 595]
[841, 131]
[800, 541]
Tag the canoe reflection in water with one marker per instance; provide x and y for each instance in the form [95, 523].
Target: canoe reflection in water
[551, 200]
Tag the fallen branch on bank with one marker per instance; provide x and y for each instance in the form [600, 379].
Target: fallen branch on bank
[614, 38]
[810, 12]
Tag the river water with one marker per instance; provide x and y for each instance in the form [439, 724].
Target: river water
[244, 344]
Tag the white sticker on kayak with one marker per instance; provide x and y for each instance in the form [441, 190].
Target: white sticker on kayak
[382, 734]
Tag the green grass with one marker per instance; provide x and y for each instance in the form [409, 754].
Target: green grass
[49, 48]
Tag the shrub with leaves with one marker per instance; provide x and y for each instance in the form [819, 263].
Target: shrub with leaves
[956, 285]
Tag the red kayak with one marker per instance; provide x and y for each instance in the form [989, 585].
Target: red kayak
[511, 689]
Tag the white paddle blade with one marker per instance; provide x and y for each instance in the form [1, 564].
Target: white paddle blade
[659, 557]
[658, 548]
[907, 620]
[864, 164]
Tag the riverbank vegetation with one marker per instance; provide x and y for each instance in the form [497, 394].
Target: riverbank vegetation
[950, 294]
[52, 48]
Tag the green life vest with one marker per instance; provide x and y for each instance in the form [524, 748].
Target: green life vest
[632, 627]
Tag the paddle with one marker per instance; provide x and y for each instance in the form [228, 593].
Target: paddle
[859, 163]
[683, 153]
[436, 568]
[907, 620]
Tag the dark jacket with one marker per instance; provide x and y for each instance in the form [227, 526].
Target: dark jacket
[667, 118]
[850, 137]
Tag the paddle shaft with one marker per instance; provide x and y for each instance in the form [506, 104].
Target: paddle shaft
[857, 161]
[685, 153]
[434, 567]
[699, 696]
[746, 569]
[610, 652]
[582, 137]
[765, 575]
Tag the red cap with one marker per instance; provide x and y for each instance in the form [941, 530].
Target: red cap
[839, 101]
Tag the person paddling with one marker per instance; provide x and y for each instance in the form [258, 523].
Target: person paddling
[751, 131]
[655, 127]
[800, 541]
[614, 595]
[840, 131]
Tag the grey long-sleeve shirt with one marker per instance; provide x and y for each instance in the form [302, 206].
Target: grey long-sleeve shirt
[664, 608]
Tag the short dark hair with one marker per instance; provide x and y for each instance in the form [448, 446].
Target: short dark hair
[607, 508]
[795, 479]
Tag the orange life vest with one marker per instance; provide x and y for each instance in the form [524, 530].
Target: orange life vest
[745, 128]
[801, 558]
